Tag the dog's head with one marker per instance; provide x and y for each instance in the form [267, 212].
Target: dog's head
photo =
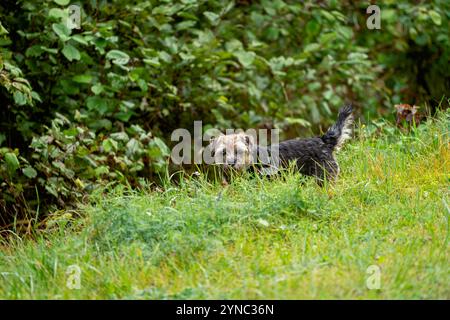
[233, 150]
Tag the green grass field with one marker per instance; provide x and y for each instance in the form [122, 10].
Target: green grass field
[284, 238]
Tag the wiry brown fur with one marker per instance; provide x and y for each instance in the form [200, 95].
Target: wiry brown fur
[233, 150]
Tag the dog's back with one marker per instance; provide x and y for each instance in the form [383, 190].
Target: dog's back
[314, 156]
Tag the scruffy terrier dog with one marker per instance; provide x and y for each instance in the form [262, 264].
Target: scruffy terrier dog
[233, 151]
[312, 156]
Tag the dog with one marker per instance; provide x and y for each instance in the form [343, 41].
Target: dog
[312, 156]
[233, 151]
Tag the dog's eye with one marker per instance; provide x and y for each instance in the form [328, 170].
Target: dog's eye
[224, 152]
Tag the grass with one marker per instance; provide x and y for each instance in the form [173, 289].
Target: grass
[284, 238]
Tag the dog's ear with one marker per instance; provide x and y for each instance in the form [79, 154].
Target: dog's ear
[213, 140]
[249, 140]
[212, 143]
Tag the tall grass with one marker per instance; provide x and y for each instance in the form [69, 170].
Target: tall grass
[258, 238]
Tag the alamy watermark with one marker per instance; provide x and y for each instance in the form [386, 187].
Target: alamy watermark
[74, 19]
[183, 153]
[373, 281]
[73, 280]
[374, 20]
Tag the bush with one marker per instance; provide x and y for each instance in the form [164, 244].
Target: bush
[97, 104]
[70, 161]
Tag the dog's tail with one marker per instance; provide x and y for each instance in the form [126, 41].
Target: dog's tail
[341, 131]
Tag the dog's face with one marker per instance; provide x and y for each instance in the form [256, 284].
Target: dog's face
[233, 150]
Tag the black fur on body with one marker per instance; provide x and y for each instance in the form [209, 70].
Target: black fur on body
[315, 156]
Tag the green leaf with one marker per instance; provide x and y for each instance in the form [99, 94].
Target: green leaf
[109, 145]
[327, 15]
[51, 188]
[436, 17]
[80, 39]
[164, 56]
[186, 24]
[158, 148]
[3, 31]
[234, 45]
[124, 116]
[97, 103]
[12, 163]
[20, 98]
[62, 31]
[299, 121]
[101, 170]
[246, 58]
[118, 57]
[62, 2]
[142, 84]
[97, 89]
[154, 62]
[71, 53]
[34, 51]
[120, 136]
[50, 50]
[212, 17]
[133, 147]
[311, 47]
[56, 13]
[82, 78]
[29, 172]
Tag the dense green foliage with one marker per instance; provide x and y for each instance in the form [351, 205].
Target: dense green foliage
[84, 107]
[257, 238]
